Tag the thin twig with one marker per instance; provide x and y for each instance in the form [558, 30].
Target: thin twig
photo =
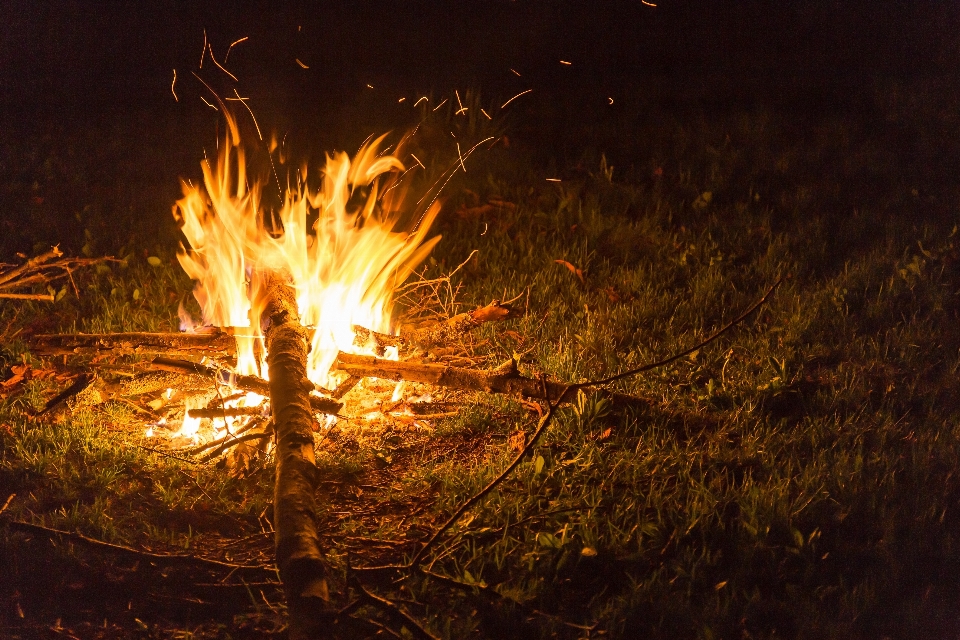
[564, 390]
[168, 558]
[541, 427]
[393, 611]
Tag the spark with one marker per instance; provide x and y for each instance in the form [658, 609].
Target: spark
[485, 227]
[486, 114]
[243, 101]
[303, 66]
[401, 100]
[173, 84]
[232, 44]
[610, 100]
[208, 104]
[553, 179]
[418, 161]
[462, 108]
[516, 73]
[461, 158]
[421, 100]
[369, 86]
[203, 53]
[440, 105]
[515, 97]
[210, 48]
[566, 63]
[649, 4]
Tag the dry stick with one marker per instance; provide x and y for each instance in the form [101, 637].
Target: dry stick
[436, 334]
[219, 343]
[225, 412]
[227, 438]
[299, 558]
[246, 383]
[234, 442]
[390, 609]
[564, 390]
[45, 297]
[30, 264]
[541, 427]
[503, 379]
[167, 558]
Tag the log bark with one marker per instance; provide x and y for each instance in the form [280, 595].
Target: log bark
[503, 379]
[434, 335]
[298, 553]
[218, 343]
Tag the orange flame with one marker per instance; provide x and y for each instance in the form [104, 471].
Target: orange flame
[344, 267]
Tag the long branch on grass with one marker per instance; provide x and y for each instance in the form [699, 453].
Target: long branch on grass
[168, 558]
[217, 343]
[477, 497]
[564, 391]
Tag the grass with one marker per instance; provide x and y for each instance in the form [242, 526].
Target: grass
[794, 479]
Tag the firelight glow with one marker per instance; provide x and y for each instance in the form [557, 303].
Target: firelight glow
[344, 266]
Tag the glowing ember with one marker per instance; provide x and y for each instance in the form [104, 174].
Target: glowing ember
[344, 266]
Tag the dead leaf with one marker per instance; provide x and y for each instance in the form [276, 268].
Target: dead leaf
[517, 441]
[575, 271]
[606, 433]
[516, 337]
[612, 294]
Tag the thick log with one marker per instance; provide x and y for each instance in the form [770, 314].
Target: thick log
[216, 343]
[298, 554]
[503, 379]
[434, 335]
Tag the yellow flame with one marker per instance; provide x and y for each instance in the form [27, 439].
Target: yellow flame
[344, 266]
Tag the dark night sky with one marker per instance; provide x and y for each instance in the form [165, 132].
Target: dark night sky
[88, 83]
[91, 56]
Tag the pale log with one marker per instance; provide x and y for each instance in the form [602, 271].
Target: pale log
[503, 379]
[298, 554]
[217, 343]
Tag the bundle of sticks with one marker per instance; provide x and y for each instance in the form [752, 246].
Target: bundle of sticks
[20, 281]
[147, 385]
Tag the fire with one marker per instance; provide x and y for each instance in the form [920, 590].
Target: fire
[344, 265]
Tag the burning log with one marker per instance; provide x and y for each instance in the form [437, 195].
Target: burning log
[504, 379]
[434, 335]
[216, 344]
[299, 559]
[244, 383]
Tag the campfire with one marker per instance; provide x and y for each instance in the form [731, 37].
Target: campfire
[299, 334]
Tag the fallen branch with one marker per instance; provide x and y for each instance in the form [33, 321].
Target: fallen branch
[217, 343]
[434, 335]
[504, 379]
[165, 558]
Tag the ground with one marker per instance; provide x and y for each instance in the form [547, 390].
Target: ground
[793, 479]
